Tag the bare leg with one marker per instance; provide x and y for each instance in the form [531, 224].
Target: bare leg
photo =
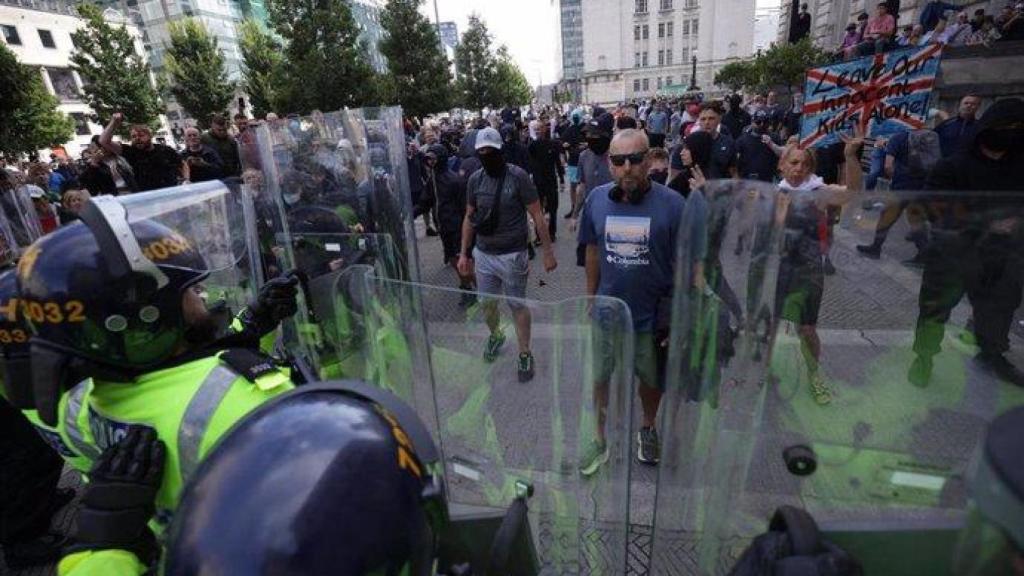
[650, 400]
[491, 315]
[810, 345]
[523, 328]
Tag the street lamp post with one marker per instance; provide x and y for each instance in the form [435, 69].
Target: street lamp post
[693, 73]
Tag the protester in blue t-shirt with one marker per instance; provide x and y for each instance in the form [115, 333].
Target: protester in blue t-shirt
[631, 229]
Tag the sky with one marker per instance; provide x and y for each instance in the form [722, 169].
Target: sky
[528, 27]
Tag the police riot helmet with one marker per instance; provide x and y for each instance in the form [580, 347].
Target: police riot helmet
[993, 540]
[331, 478]
[107, 293]
[14, 345]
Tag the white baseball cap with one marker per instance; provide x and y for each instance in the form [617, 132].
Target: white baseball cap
[488, 138]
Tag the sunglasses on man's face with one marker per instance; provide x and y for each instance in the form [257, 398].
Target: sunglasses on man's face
[634, 159]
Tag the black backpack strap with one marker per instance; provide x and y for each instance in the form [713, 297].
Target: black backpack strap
[804, 536]
[248, 363]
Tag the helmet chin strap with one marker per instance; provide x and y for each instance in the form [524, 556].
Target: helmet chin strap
[107, 219]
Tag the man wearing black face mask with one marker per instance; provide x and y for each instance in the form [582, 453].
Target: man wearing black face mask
[755, 157]
[977, 244]
[594, 169]
[498, 199]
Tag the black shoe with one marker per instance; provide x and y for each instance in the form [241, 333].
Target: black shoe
[537, 242]
[431, 232]
[43, 550]
[915, 262]
[870, 250]
[525, 367]
[468, 299]
[829, 268]
[648, 447]
[1001, 368]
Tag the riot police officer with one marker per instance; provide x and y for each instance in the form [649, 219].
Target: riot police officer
[294, 472]
[118, 298]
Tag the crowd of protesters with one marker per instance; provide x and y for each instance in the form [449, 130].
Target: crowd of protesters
[938, 23]
[598, 155]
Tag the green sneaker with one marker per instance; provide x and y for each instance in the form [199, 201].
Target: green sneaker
[593, 457]
[494, 343]
[920, 372]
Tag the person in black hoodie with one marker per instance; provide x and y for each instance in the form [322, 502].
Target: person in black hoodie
[977, 243]
[546, 167]
[513, 149]
[736, 119]
[696, 155]
[450, 191]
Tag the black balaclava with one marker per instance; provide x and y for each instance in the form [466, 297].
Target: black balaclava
[599, 144]
[493, 163]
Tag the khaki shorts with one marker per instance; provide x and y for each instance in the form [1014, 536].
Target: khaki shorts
[608, 350]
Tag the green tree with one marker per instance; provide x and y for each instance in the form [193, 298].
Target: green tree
[787, 64]
[738, 75]
[261, 67]
[326, 67]
[116, 77]
[475, 65]
[510, 86]
[418, 79]
[29, 118]
[195, 71]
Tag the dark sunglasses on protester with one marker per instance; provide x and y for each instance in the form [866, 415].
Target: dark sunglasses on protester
[634, 159]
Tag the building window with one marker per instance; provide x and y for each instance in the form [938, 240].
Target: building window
[643, 59]
[661, 57]
[641, 6]
[636, 59]
[46, 37]
[63, 82]
[691, 3]
[668, 57]
[636, 85]
[647, 31]
[684, 54]
[666, 4]
[647, 84]
[661, 29]
[636, 32]
[659, 82]
[686, 27]
[670, 29]
[668, 80]
[694, 27]
[81, 124]
[11, 35]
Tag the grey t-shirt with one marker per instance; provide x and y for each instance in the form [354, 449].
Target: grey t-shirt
[511, 234]
[594, 171]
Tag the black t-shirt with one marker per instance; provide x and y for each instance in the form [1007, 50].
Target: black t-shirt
[153, 168]
[544, 163]
[208, 166]
[755, 159]
[573, 137]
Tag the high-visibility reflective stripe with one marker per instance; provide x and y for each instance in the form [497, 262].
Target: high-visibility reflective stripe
[198, 415]
[74, 433]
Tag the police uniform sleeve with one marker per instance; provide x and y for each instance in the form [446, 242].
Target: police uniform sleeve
[101, 563]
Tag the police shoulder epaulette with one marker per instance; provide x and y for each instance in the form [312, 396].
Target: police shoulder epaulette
[250, 364]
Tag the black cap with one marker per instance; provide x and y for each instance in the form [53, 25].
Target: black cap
[601, 126]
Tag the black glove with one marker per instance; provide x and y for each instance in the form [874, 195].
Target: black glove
[275, 302]
[120, 498]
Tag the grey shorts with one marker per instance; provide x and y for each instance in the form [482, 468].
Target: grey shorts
[607, 351]
[499, 274]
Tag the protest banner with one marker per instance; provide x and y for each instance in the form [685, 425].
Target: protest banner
[883, 94]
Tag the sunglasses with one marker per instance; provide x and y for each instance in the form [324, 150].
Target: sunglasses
[634, 159]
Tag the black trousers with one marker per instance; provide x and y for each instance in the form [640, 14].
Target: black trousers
[29, 473]
[548, 193]
[988, 272]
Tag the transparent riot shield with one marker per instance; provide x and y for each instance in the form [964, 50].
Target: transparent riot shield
[211, 218]
[9, 250]
[430, 345]
[324, 193]
[845, 357]
[21, 217]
